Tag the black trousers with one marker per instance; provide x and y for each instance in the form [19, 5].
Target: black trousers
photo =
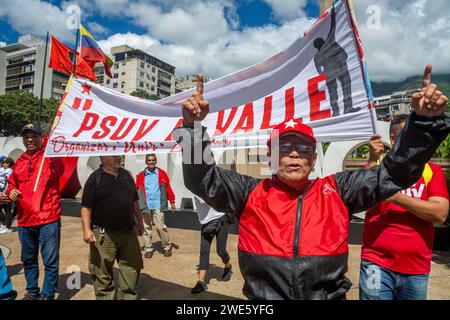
[9, 211]
[221, 245]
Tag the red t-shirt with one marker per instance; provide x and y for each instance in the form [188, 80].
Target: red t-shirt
[398, 240]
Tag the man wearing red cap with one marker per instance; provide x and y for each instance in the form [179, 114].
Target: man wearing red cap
[39, 213]
[293, 231]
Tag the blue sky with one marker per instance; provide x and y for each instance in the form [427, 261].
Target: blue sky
[218, 37]
[252, 13]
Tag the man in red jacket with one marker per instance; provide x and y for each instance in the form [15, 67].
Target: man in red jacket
[154, 191]
[39, 213]
[293, 231]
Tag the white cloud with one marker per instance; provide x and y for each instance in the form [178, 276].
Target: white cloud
[201, 23]
[96, 28]
[36, 17]
[131, 39]
[200, 36]
[410, 35]
[287, 9]
[112, 8]
[228, 53]
[2, 44]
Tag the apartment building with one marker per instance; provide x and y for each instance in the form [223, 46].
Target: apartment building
[21, 68]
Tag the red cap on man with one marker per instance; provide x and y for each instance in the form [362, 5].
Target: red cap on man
[292, 127]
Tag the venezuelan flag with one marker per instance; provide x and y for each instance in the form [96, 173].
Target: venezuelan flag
[90, 50]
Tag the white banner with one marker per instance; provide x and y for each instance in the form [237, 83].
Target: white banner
[320, 79]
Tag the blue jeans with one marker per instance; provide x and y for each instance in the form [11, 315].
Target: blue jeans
[47, 237]
[6, 288]
[378, 283]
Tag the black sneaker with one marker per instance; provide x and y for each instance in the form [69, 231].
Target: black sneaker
[226, 273]
[148, 254]
[27, 296]
[199, 287]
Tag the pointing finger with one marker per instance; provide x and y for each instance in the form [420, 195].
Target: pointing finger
[427, 76]
[200, 80]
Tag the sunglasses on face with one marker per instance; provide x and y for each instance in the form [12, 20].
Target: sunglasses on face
[286, 147]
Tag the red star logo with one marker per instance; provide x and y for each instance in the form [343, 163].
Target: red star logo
[86, 89]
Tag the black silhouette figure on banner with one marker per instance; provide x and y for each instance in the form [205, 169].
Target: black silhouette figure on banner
[331, 59]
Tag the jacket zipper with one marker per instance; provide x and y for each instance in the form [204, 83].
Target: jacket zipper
[297, 226]
[299, 219]
[298, 223]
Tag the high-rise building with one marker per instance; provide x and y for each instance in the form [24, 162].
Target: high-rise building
[21, 68]
[135, 69]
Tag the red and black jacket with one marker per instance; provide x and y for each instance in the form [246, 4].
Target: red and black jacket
[294, 246]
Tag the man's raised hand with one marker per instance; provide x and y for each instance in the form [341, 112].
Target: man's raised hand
[196, 107]
[430, 102]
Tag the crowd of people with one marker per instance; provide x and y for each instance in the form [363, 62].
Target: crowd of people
[293, 231]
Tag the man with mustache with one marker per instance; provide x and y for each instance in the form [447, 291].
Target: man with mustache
[293, 231]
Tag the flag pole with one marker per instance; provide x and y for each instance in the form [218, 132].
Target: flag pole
[74, 71]
[43, 78]
[74, 62]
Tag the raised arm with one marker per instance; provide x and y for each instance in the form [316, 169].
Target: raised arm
[224, 190]
[332, 35]
[426, 128]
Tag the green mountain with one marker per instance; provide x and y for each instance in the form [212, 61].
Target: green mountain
[386, 88]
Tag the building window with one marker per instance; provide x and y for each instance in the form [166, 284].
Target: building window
[142, 75]
[27, 68]
[123, 73]
[116, 75]
[124, 63]
[153, 70]
[108, 81]
[142, 65]
[27, 80]
[115, 85]
[13, 83]
[141, 84]
[153, 79]
[116, 66]
[153, 88]
[122, 85]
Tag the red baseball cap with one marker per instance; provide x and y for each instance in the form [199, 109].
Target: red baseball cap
[292, 127]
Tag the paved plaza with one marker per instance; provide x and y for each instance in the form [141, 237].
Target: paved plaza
[173, 277]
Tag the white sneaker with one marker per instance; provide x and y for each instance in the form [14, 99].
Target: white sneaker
[5, 230]
[2, 227]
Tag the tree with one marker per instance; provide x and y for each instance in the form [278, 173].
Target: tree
[144, 94]
[444, 148]
[21, 107]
